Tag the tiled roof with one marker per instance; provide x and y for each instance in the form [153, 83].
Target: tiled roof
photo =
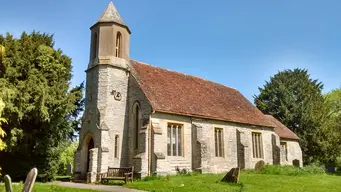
[281, 130]
[178, 93]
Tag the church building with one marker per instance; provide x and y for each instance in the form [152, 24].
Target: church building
[161, 121]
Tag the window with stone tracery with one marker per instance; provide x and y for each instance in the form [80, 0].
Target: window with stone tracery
[174, 140]
[219, 142]
[257, 145]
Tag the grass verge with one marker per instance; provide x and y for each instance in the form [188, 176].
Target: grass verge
[276, 180]
[290, 170]
[42, 187]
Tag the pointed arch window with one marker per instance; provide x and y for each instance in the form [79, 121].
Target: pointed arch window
[94, 45]
[136, 123]
[118, 44]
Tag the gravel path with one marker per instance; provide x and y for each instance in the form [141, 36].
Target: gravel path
[112, 188]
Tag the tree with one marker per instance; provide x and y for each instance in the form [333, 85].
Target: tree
[35, 86]
[66, 156]
[333, 102]
[2, 132]
[75, 115]
[2, 106]
[2, 120]
[296, 100]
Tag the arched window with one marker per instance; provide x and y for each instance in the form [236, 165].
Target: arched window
[136, 124]
[118, 44]
[94, 45]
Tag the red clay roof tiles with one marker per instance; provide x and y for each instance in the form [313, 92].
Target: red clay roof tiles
[178, 93]
[281, 130]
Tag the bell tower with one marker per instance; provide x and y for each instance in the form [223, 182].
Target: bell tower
[110, 36]
[105, 116]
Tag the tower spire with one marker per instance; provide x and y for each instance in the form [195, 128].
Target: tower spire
[111, 14]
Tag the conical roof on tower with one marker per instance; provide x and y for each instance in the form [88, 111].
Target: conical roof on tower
[111, 14]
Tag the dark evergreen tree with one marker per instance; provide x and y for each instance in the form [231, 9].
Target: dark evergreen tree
[40, 107]
[296, 100]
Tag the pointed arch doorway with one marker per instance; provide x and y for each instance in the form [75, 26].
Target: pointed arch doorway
[91, 145]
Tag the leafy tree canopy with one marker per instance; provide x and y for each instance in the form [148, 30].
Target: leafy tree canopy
[66, 156]
[40, 105]
[296, 100]
[2, 120]
[333, 102]
[333, 99]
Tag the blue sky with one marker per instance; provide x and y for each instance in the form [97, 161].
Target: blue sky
[232, 42]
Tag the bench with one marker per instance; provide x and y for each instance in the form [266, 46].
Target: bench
[123, 173]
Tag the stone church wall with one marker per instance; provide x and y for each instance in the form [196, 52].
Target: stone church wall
[205, 136]
[267, 146]
[213, 164]
[138, 158]
[105, 116]
[167, 164]
[294, 152]
[89, 125]
[113, 113]
[199, 145]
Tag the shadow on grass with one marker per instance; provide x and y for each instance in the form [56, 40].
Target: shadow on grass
[63, 178]
[336, 173]
[240, 185]
[116, 183]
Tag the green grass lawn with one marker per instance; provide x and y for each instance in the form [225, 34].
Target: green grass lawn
[42, 187]
[248, 182]
[271, 179]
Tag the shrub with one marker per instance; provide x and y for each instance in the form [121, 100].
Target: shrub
[291, 170]
[314, 169]
[338, 164]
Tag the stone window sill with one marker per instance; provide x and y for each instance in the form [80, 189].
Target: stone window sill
[176, 158]
[219, 158]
